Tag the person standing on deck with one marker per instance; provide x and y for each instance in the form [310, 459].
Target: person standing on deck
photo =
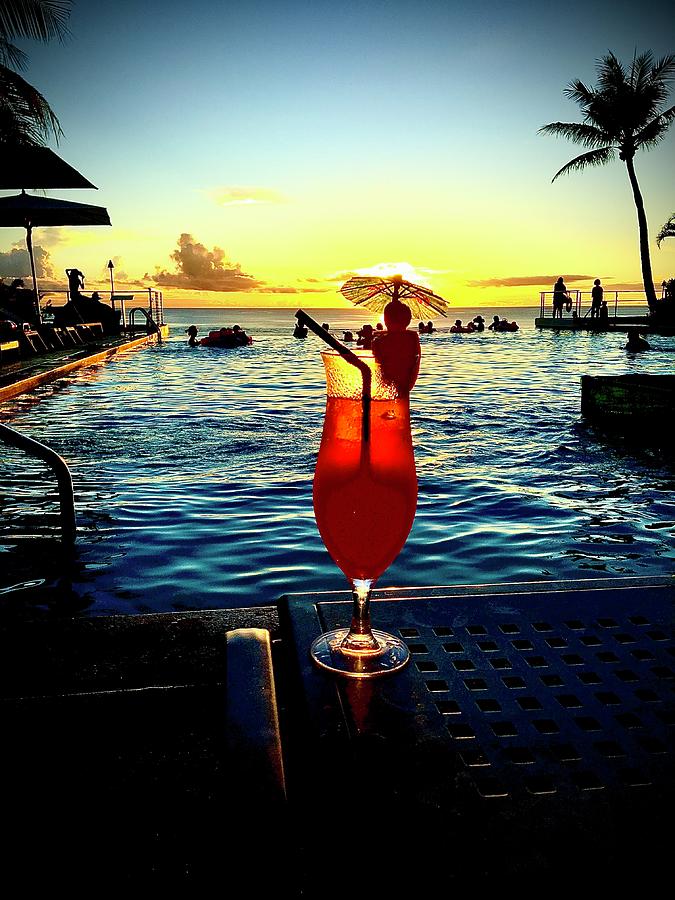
[75, 282]
[596, 299]
[560, 295]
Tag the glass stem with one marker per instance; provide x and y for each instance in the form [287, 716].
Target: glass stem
[360, 638]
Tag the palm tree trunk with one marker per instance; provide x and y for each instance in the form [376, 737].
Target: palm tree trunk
[645, 258]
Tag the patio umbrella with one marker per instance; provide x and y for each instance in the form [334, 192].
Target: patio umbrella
[27, 211]
[37, 167]
[375, 293]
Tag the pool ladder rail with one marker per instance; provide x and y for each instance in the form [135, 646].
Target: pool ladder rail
[60, 469]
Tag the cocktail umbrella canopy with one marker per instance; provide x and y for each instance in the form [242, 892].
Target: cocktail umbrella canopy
[27, 211]
[24, 166]
[375, 293]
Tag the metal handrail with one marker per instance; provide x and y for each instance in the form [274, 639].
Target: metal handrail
[579, 299]
[155, 298]
[63, 477]
[149, 320]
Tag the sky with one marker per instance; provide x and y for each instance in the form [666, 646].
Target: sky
[258, 153]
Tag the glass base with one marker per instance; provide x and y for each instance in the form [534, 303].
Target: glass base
[327, 653]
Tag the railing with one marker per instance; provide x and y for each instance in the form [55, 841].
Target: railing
[155, 300]
[151, 325]
[63, 477]
[581, 301]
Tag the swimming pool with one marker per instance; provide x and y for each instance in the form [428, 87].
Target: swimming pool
[193, 470]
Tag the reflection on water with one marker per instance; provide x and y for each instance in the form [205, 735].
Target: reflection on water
[193, 470]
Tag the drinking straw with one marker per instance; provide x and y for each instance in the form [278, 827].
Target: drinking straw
[351, 358]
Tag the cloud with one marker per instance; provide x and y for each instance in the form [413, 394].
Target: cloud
[15, 263]
[200, 269]
[526, 280]
[245, 196]
[120, 275]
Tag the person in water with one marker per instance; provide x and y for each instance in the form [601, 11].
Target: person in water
[479, 322]
[300, 331]
[239, 335]
[397, 349]
[192, 335]
[366, 337]
[348, 336]
[635, 342]
[430, 328]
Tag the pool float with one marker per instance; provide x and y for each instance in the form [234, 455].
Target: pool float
[225, 339]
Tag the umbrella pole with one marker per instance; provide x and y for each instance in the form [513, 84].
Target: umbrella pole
[29, 244]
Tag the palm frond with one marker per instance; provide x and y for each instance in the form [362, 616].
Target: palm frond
[611, 73]
[668, 230]
[25, 115]
[586, 135]
[655, 131]
[39, 20]
[12, 56]
[579, 93]
[595, 158]
[664, 68]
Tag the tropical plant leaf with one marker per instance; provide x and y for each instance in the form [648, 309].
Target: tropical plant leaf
[595, 158]
[668, 230]
[25, 116]
[586, 135]
[40, 20]
[655, 130]
[12, 56]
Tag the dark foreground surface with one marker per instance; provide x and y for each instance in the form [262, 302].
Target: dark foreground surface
[529, 741]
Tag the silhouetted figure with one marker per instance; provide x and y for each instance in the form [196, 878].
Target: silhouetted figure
[422, 328]
[325, 326]
[560, 296]
[348, 336]
[192, 335]
[299, 331]
[365, 337]
[75, 282]
[596, 299]
[494, 324]
[430, 328]
[479, 322]
[379, 327]
[635, 342]
[604, 315]
[397, 350]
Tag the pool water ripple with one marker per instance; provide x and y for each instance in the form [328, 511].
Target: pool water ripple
[193, 471]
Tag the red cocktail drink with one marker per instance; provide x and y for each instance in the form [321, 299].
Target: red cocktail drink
[365, 494]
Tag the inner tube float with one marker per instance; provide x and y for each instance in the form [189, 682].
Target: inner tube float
[226, 339]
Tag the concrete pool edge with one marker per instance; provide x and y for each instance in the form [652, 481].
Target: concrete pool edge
[98, 355]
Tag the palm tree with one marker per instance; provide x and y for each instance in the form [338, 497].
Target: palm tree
[25, 115]
[668, 230]
[624, 114]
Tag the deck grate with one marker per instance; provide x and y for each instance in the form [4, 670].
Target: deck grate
[552, 706]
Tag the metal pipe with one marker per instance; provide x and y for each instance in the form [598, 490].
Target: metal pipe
[63, 477]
